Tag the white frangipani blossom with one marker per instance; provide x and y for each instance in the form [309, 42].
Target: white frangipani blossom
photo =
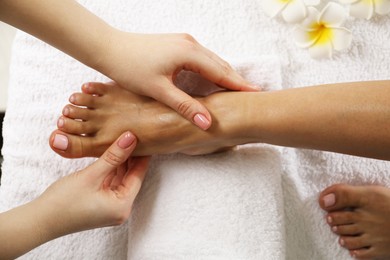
[292, 11]
[322, 32]
[366, 8]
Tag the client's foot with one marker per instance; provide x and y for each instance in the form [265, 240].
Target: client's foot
[96, 117]
[360, 216]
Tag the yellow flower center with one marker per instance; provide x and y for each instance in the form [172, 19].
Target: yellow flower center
[322, 34]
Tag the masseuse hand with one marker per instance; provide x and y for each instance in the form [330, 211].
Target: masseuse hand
[145, 64]
[98, 196]
[148, 65]
[101, 194]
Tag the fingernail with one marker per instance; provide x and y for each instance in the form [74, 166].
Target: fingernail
[60, 122]
[66, 111]
[60, 142]
[201, 121]
[126, 140]
[329, 200]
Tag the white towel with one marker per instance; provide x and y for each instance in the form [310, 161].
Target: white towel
[224, 206]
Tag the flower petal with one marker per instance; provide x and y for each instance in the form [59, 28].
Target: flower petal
[310, 22]
[312, 2]
[294, 12]
[304, 38]
[348, 1]
[362, 9]
[341, 38]
[333, 15]
[382, 7]
[321, 51]
[273, 7]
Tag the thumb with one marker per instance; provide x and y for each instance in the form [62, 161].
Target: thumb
[114, 156]
[184, 104]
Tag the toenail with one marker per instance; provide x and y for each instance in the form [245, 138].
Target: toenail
[72, 99]
[60, 122]
[334, 229]
[66, 111]
[60, 142]
[329, 219]
[329, 200]
[87, 86]
[342, 242]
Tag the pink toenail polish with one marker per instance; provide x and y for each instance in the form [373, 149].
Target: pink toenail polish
[60, 142]
[329, 200]
[86, 86]
[66, 111]
[126, 140]
[60, 122]
[201, 121]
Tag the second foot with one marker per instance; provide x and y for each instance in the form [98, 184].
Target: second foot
[359, 215]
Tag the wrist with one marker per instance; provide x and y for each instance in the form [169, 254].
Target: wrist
[46, 218]
[103, 55]
[233, 117]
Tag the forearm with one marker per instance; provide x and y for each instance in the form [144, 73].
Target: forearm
[350, 118]
[21, 230]
[64, 24]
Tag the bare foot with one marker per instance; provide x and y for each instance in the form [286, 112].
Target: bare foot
[360, 216]
[96, 117]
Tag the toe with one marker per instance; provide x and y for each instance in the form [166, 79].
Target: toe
[363, 253]
[347, 230]
[342, 218]
[369, 254]
[73, 146]
[78, 127]
[354, 242]
[74, 112]
[95, 88]
[85, 100]
[341, 196]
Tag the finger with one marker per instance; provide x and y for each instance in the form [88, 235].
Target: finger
[184, 104]
[135, 176]
[218, 71]
[114, 156]
[120, 174]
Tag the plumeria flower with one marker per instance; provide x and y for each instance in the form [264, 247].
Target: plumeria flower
[321, 32]
[367, 8]
[293, 11]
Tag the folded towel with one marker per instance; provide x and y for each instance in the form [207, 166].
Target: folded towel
[223, 206]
